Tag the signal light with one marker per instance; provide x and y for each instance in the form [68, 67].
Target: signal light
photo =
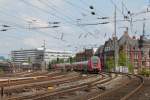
[93, 13]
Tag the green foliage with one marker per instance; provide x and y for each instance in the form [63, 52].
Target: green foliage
[123, 61]
[71, 60]
[1, 71]
[49, 65]
[110, 63]
[122, 58]
[130, 66]
[57, 61]
[61, 61]
[145, 72]
[53, 62]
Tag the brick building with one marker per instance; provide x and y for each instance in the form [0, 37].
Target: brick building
[85, 55]
[137, 51]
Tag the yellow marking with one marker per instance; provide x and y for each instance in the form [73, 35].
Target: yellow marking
[50, 88]
[34, 78]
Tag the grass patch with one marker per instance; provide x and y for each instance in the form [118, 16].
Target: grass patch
[145, 72]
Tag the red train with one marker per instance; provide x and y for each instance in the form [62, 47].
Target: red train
[92, 65]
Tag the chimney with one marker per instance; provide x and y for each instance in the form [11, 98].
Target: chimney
[134, 37]
[126, 32]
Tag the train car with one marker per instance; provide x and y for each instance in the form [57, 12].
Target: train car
[80, 66]
[92, 65]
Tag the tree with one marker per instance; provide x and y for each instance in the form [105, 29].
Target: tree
[71, 60]
[57, 60]
[50, 65]
[122, 58]
[29, 60]
[110, 63]
[130, 66]
[124, 61]
[1, 71]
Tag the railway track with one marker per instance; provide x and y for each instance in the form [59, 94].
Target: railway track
[42, 85]
[144, 93]
[57, 91]
[122, 92]
[84, 92]
[38, 82]
[69, 88]
[25, 80]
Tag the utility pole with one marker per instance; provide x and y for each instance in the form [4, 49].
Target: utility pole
[44, 50]
[144, 27]
[115, 40]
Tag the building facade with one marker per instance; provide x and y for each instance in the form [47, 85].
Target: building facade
[37, 58]
[50, 55]
[28, 59]
[85, 55]
[135, 52]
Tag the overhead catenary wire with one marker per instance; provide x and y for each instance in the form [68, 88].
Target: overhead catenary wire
[68, 18]
[49, 2]
[116, 7]
[77, 6]
[15, 25]
[65, 18]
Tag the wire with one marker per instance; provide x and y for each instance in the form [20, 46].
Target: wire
[19, 26]
[66, 16]
[70, 14]
[56, 10]
[48, 12]
[116, 7]
[76, 6]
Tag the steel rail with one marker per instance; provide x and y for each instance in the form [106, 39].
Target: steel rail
[128, 95]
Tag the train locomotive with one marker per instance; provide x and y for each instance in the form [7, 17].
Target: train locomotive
[92, 65]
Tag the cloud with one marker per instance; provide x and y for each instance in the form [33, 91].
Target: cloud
[3, 3]
[58, 3]
[34, 41]
[35, 22]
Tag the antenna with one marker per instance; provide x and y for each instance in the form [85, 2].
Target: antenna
[144, 27]
[122, 8]
[44, 45]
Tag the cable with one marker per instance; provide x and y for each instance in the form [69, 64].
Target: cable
[55, 10]
[116, 7]
[66, 16]
[48, 12]
[63, 14]
[19, 26]
[76, 6]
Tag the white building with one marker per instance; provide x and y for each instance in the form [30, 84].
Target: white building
[38, 56]
[27, 56]
[50, 55]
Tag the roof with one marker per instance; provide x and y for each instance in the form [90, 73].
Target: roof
[126, 39]
[60, 51]
[99, 50]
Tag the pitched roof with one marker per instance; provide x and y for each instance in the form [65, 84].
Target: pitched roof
[126, 39]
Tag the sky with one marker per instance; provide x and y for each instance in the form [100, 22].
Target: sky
[31, 22]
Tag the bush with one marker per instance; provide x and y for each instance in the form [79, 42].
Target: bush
[1, 71]
[145, 72]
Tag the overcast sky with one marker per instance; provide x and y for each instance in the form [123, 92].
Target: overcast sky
[21, 15]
